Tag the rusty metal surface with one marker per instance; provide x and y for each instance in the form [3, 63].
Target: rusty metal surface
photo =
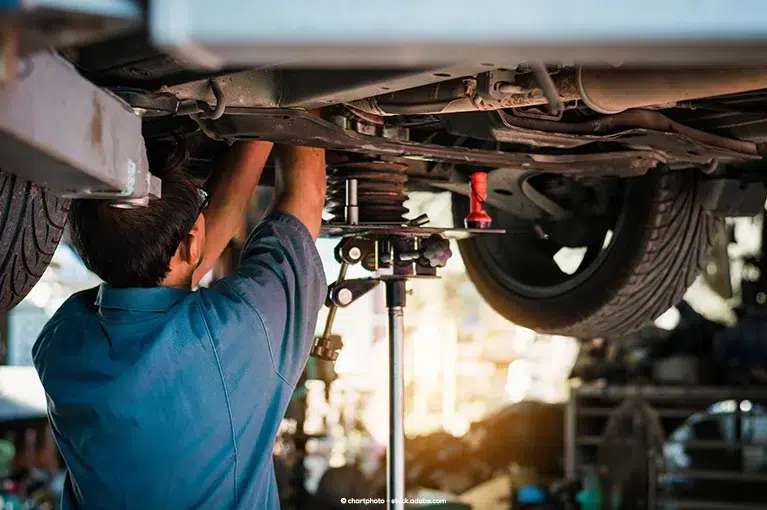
[300, 128]
[381, 190]
[461, 95]
[633, 122]
[627, 163]
[638, 129]
[256, 88]
[616, 89]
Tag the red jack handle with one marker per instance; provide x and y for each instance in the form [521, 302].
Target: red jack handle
[478, 217]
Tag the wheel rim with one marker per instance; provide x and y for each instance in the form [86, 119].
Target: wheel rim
[523, 262]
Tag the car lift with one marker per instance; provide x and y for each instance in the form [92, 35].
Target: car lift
[60, 131]
[408, 250]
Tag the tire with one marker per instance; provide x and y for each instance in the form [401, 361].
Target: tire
[654, 256]
[32, 222]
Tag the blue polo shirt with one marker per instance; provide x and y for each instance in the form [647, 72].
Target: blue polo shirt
[163, 398]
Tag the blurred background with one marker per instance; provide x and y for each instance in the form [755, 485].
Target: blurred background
[492, 408]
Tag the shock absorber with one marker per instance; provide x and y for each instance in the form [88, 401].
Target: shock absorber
[381, 191]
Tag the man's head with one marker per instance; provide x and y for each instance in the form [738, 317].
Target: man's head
[161, 244]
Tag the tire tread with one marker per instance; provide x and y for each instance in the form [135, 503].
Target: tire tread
[32, 222]
[648, 273]
[679, 236]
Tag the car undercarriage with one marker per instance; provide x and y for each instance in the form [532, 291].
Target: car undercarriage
[631, 165]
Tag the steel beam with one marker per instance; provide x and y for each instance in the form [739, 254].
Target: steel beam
[64, 133]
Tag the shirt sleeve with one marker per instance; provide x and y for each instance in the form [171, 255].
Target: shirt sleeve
[280, 278]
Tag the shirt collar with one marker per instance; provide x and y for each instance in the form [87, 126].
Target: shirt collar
[149, 299]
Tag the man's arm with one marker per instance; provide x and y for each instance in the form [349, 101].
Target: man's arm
[300, 185]
[230, 190]
[271, 303]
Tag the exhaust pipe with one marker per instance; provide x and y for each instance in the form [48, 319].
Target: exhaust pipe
[461, 95]
[604, 90]
[613, 90]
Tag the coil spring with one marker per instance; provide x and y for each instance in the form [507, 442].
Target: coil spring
[381, 191]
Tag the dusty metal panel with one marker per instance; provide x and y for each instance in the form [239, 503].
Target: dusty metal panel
[258, 88]
[639, 129]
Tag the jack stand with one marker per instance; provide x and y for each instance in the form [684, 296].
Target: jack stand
[406, 249]
[395, 459]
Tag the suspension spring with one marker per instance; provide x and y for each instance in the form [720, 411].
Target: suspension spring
[381, 191]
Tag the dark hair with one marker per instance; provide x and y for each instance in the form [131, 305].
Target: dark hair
[133, 247]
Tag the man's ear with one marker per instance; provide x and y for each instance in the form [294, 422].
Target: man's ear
[195, 242]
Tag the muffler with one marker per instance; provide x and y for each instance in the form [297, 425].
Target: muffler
[613, 90]
[604, 90]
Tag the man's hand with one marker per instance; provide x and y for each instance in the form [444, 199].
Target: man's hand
[300, 184]
[230, 190]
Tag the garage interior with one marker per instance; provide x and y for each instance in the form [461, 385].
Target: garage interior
[499, 416]
[487, 219]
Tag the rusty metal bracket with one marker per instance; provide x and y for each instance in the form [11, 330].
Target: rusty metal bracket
[637, 129]
[300, 128]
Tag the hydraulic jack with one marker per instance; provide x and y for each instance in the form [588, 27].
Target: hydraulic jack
[367, 197]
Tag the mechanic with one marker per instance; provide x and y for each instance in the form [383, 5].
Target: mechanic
[161, 396]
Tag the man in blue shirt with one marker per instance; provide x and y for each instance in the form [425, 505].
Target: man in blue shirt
[165, 397]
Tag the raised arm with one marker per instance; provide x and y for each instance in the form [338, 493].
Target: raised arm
[300, 185]
[231, 187]
[279, 286]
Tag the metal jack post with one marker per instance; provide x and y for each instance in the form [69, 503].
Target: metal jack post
[395, 464]
[365, 199]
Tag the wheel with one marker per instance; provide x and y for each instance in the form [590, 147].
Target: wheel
[640, 257]
[31, 224]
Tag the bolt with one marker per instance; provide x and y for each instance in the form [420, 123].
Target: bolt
[354, 253]
[344, 297]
